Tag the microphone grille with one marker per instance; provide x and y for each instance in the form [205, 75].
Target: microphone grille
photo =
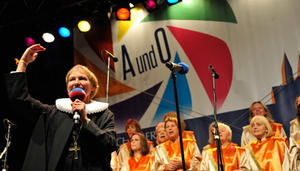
[185, 68]
[77, 93]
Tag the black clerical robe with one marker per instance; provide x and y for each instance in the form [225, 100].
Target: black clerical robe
[54, 127]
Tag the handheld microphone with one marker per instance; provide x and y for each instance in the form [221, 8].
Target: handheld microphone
[77, 93]
[181, 67]
[8, 122]
[216, 75]
[114, 58]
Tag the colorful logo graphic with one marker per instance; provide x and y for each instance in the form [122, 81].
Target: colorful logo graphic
[200, 49]
[204, 50]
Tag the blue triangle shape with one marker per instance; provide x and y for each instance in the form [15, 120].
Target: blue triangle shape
[167, 104]
[288, 71]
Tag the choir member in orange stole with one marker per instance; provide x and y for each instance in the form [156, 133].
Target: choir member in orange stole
[140, 159]
[231, 152]
[185, 133]
[161, 133]
[132, 126]
[295, 138]
[268, 152]
[211, 139]
[168, 154]
[257, 108]
[114, 161]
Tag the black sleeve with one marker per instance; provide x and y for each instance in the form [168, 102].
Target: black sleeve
[20, 99]
[102, 127]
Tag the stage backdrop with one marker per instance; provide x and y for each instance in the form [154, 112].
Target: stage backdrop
[252, 44]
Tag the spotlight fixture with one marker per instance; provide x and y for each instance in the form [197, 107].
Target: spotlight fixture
[131, 5]
[29, 41]
[172, 2]
[64, 32]
[84, 26]
[150, 5]
[48, 37]
[122, 11]
[123, 14]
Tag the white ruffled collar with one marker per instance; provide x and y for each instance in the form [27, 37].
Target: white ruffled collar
[64, 105]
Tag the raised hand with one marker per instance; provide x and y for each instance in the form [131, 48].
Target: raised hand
[31, 53]
[29, 56]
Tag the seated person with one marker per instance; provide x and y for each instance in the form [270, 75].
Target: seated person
[140, 158]
[295, 138]
[259, 109]
[168, 154]
[114, 161]
[161, 133]
[211, 139]
[268, 152]
[185, 133]
[231, 153]
[132, 126]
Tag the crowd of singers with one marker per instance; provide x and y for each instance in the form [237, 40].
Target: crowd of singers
[264, 146]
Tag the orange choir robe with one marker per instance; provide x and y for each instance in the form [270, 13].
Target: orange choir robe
[231, 158]
[185, 134]
[295, 144]
[188, 134]
[247, 137]
[142, 163]
[168, 150]
[124, 152]
[209, 146]
[271, 154]
[114, 161]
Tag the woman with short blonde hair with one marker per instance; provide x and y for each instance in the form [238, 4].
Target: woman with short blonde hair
[269, 131]
[231, 152]
[257, 108]
[268, 152]
[64, 142]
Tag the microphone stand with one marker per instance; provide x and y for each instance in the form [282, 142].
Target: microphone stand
[5, 151]
[178, 119]
[216, 135]
[107, 78]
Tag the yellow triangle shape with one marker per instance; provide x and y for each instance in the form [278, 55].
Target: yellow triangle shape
[137, 14]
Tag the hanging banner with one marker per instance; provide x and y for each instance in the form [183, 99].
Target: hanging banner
[244, 41]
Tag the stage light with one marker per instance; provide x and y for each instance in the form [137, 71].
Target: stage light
[64, 32]
[123, 13]
[84, 26]
[48, 37]
[172, 2]
[29, 41]
[131, 5]
[150, 5]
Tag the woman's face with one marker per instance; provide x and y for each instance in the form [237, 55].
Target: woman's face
[224, 134]
[298, 101]
[258, 129]
[135, 143]
[130, 130]
[161, 135]
[258, 110]
[172, 130]
[79, 79]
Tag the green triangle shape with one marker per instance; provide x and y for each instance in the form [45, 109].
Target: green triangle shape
[210, 10]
